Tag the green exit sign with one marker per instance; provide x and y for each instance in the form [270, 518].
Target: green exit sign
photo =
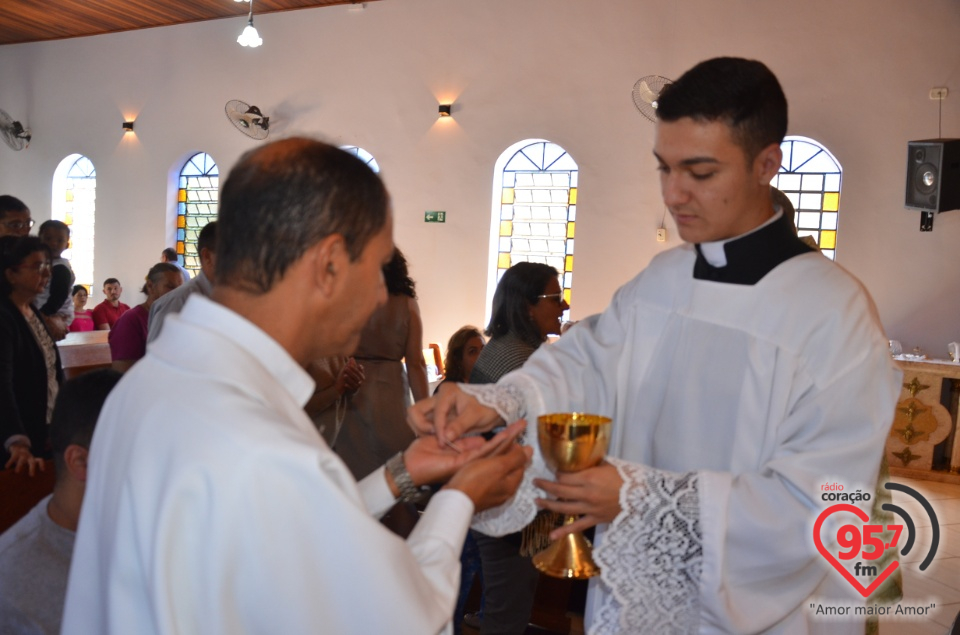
[434, 217]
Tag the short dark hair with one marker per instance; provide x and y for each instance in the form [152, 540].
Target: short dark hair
[156, 273]
[110, 281]
[397, 276]
[453, 362]
[744, 94]
[11, 204]
[516, 292]
[208, 237]
[53, 224]
[169, 254]
[77, 288]
[77, 409]
[282, 198]
[13, 251]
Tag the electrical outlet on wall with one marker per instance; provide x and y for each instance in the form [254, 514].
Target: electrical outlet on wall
[661, 235]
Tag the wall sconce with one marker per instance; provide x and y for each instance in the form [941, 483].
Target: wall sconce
[127, 126]
[445, 110]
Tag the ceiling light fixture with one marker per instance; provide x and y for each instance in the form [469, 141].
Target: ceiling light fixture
[250, 37]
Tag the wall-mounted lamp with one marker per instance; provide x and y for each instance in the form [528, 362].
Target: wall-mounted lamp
[250, 37]
[127, 126]
[444, 110]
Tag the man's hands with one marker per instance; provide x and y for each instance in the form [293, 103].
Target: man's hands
[450, 414]
[21, 457]
[350, 377]
[593, 494]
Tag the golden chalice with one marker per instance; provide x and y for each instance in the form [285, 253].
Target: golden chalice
[570, 442]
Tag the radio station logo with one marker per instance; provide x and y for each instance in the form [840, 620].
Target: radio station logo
[860, 544]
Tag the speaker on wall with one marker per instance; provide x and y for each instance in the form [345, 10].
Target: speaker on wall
[933, 175]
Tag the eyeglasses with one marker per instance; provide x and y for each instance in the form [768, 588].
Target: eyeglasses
[557, 297]
[19, 224]
[37, 266]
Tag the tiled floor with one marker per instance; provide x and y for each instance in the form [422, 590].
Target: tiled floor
[940, 583]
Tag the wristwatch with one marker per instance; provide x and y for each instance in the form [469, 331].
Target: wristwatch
[409, 492]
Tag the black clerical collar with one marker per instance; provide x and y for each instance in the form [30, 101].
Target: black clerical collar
[753, 255]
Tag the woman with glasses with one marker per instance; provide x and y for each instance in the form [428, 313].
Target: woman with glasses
[527, 308]
[30, 371]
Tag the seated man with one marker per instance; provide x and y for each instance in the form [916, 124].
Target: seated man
[106, 314]
[741, 370]
[202, 283]
[35, 553]
[213, 505]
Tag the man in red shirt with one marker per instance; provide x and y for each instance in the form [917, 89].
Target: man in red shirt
[106, 314]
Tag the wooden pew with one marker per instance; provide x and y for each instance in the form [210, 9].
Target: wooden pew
[82, 352]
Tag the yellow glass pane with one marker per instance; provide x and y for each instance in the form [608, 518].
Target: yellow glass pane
[503, 261]
[568, 263]
[507, 197]
[68, 218]
[566, 295]
[506, 228]
[179, 246]
[570, 227]
[828, 240]
[573, 196]
[181, 222]
[69, 196]
[182, 196]
[831, 201]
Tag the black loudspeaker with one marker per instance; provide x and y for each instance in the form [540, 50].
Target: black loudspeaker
[933, 175]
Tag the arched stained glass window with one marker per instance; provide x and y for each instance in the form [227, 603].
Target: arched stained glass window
[197, 199]
[364, 156]
[810, 177]
[74, 203]
[534, 210]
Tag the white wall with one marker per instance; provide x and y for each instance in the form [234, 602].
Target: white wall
[856, 73]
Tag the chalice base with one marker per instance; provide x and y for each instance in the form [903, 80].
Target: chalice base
[568, 557]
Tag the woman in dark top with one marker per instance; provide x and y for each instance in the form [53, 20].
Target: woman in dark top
[30, 371]
[527, 307]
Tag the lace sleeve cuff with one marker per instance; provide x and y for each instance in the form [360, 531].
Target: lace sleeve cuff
[651, 554]
[506, 399]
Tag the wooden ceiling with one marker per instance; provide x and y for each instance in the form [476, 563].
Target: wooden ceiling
[39, 20]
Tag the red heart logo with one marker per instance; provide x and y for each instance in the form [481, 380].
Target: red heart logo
[842, 507]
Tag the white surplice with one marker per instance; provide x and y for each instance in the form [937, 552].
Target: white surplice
[213, 506]
[731, 405]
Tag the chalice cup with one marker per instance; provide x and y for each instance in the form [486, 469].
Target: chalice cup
[570, 442]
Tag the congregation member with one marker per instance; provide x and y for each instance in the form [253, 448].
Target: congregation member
[106, 314]
[30, 370]
[55, 302]
[740, 369]
[224, 511]
[202, 283]
[337, 380]
[374, 426]
[82, 316]
[35, 552]
[14, 217]
[128, 337]
[170, 255]
[527, 308]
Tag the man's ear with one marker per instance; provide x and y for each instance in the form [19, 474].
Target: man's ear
[330, 261]
[767, 163]
[75, 458]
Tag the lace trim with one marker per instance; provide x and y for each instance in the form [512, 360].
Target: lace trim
[506, 399]
[651, 555]
[515, 514]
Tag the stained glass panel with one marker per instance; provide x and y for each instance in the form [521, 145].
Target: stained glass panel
[198, 197]
[78, 180]
[538, 192]
[364, 156]
[810, 177]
